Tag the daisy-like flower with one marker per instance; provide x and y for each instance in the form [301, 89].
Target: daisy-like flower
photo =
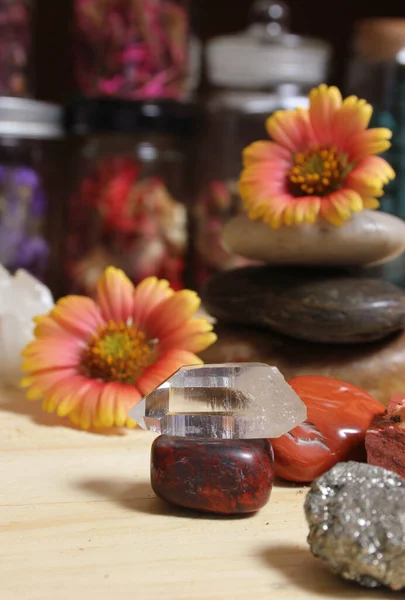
[93, 361]
[320, 163]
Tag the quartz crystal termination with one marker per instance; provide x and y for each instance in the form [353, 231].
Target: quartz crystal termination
[356, 516]
[224, 401]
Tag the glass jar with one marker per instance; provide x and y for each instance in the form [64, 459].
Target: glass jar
[30, 135]
[129, 204]
[15, 44]
[376, 72]
[253, 74]
[132, 49]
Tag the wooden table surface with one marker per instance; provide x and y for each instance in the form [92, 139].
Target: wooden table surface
[79, 520]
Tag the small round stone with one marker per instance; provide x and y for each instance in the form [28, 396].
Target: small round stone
[356, 523]
[369, 238]
[219, 476]
[307, 304]
[338, 415]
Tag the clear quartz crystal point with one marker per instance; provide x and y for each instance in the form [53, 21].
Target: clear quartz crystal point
[228, 401]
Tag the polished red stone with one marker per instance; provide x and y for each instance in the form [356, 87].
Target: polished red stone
[385, 439]
[339, 415]
[218, 476]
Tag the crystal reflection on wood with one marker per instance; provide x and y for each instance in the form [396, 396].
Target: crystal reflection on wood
[225, 401]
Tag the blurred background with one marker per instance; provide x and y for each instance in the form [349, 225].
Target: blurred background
[122, 122]
[331, 21]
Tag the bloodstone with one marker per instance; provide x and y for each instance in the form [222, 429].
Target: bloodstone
[338, 415]
[310, 304]
[385, 440]
[356, 523]
[218, 476]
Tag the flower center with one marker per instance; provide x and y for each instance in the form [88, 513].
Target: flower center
[317, 171]
[117, 352]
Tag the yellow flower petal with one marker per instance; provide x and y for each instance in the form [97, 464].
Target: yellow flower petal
[369, 142]
[289, 214]
[115, 295]
[147, 296]
[290, 129]
[332, 216]
[106, 407]
[172, 314]
[312, 211]
[341, 205]
[299, 213]
[371, 203]
[265, 151]
[256, 211]
[352, 118]
[355, 200]
[324, 103]
[275, 220]
[79, 316]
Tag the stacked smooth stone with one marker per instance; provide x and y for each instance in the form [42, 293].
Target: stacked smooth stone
[309, 305]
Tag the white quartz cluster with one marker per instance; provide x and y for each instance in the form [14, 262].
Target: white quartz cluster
[22, 297]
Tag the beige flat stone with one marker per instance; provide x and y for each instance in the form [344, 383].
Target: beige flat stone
[368, 239]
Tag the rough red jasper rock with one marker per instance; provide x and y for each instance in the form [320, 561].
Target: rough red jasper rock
[385, 440]
[218, 476]
[339, 415]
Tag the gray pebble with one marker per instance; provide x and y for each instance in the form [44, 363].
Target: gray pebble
[316, 305]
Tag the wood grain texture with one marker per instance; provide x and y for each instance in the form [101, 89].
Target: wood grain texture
[79, 520]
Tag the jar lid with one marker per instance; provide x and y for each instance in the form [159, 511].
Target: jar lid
[104, 115]
[266, 54]
[23, 118]
[260, 103]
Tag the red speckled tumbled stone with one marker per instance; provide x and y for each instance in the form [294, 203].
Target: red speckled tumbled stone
[219, 476]
[339, 415]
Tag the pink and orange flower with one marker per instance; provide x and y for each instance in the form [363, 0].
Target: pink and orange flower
[93, 361]
[320, 164]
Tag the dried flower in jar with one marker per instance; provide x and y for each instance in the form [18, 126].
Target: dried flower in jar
[133, 49]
